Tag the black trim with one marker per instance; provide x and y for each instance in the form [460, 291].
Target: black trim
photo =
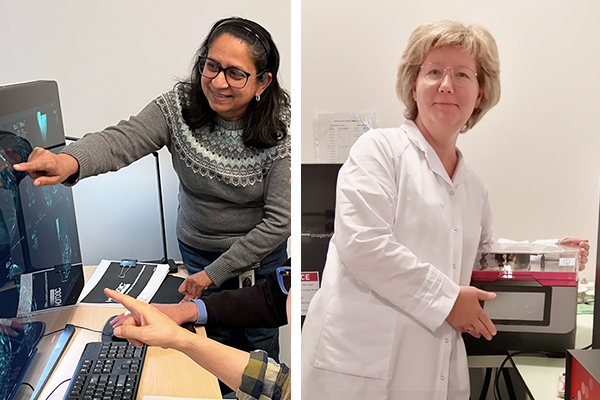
[547, 290]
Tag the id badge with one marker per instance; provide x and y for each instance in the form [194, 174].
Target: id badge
[246, 279]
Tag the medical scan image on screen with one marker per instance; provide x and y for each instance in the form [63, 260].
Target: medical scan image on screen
[40, 260]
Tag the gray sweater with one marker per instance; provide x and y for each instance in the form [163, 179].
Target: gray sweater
[232, 198]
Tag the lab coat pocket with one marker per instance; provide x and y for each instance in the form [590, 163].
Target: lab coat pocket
[357, 339]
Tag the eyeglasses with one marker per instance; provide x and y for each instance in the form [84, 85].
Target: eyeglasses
[461, 76]
[235, 77]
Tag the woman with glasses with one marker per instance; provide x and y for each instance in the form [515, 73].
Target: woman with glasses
[226, 127]
[410, 216]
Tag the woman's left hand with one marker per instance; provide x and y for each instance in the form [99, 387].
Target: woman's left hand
[584, 248]
[194, 285]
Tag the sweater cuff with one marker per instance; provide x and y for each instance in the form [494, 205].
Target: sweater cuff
[84, 167]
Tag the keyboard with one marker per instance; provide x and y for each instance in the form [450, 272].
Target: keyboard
[107, 370]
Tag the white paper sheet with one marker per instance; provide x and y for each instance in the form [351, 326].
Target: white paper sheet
[336, 133]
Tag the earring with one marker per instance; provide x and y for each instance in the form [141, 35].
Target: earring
[257, 98]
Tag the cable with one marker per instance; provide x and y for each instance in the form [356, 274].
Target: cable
[486, 383]
[52, 333]
[28, 384]
[508, 383]
[59, 385]
[76, 326]
[88, 329]
[519, 353]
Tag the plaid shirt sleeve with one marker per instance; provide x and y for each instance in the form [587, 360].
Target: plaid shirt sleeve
[263, 378]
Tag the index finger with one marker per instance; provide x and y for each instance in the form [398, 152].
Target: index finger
[128, 302]
[32, 164]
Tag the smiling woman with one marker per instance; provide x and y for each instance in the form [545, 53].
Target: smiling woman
[410, 216]
[230, 149]
[230, 93]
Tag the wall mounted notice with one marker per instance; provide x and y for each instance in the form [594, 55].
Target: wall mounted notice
[335, 133]
[309, 286]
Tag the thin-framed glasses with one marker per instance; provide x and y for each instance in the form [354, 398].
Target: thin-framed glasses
[461, 76]
[235, 77]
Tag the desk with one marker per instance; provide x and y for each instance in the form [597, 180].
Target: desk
[165, 372]
[540, 374]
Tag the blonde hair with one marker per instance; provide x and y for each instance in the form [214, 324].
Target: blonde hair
[475, 40]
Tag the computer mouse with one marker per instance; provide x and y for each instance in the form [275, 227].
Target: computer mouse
[107, 332]
[189, 326]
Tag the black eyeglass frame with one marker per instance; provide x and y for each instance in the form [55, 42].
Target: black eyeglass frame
[202, 63]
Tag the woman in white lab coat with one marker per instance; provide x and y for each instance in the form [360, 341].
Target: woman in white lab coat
[410, 216]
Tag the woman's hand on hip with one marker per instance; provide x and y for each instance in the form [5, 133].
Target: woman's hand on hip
[468, 316]
[194, 285]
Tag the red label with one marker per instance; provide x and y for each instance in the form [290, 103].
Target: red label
[309, 276]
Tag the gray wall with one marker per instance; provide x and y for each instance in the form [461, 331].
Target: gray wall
[537, 151]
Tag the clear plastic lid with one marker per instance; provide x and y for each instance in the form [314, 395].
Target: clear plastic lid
[526, 257]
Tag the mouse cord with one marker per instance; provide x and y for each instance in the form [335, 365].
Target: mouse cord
[76, 326]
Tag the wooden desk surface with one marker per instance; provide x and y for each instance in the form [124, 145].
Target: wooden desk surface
[165, 372]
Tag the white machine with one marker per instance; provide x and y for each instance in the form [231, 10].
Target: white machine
[536, 304]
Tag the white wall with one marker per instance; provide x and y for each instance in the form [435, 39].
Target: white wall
[111, 58]
[537, 151]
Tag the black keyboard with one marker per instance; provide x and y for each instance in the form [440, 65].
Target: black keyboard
[107, 370]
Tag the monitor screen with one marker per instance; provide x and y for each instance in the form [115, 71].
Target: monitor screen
[40, 258]
[317, 212]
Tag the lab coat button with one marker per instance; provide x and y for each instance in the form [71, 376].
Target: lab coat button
[455, 227]
[454, 266]
[442, 377]
[447, 340]
[451, 193]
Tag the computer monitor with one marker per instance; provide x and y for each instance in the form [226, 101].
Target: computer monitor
[40, 257]
[317, 213]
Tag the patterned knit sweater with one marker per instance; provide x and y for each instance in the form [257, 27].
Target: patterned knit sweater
[232, 198]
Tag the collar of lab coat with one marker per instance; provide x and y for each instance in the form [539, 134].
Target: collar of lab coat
[418, 140]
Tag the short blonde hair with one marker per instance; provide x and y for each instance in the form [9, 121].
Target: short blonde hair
[475, 40]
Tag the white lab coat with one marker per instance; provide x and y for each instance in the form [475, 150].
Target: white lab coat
[406, 237]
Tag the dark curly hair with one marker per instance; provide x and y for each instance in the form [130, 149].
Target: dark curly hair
[265, 122]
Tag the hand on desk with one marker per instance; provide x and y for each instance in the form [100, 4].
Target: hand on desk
[179, 313]
[468, 316]
[584, 248]
[146, 325]
[194, 285]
